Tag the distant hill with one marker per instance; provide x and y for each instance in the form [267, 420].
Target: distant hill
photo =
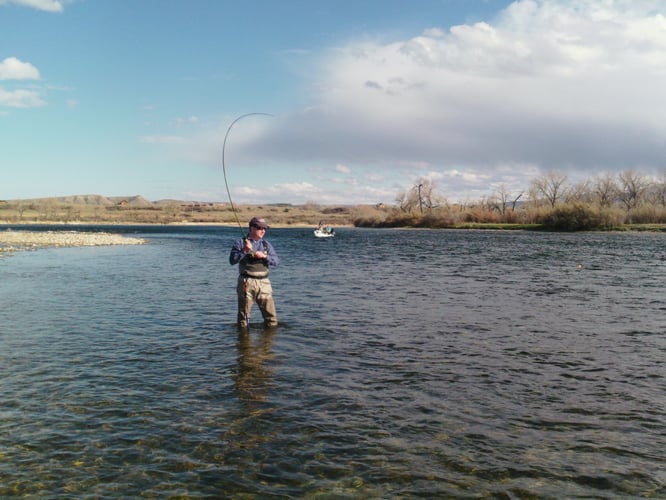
[168, 202]
[98, 209]
[79, 199]
[132, 201]
[92, 199]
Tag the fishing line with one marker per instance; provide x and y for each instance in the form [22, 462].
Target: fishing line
[224, 168]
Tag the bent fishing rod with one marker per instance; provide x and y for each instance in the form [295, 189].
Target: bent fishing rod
[224, 168]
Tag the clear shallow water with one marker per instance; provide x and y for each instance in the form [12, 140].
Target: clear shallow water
[408, 364]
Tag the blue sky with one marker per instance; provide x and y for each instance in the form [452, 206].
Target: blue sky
[124, 97]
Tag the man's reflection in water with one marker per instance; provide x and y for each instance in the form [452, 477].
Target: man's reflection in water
[254, 377]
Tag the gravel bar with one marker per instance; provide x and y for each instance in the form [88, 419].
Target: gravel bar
[12, 241]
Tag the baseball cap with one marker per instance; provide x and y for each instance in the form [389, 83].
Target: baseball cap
[259, 222]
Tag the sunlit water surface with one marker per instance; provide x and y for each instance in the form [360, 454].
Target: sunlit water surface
[407, 364]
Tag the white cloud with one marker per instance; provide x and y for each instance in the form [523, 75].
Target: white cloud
[20, 99]
[297, 188]
[294, 192]
[13, 69]
[571, 85]
[304, 192]
[434, 32]
[343, 169]
[45, 5]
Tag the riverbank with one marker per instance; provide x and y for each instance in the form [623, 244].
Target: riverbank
[12, 241]
[129, 211]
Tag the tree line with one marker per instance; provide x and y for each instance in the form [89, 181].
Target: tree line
[550, 201]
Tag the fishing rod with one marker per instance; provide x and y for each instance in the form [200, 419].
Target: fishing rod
[224, 168]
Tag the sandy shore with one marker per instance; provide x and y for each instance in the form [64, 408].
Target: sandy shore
[11, 241]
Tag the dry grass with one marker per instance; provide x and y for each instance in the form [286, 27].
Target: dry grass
[59, 211]
[50, 211]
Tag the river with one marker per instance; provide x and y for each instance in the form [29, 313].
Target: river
[407, 364]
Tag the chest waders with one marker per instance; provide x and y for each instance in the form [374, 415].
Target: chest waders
[254, 286]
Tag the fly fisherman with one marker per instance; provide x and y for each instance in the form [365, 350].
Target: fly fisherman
[254, 255]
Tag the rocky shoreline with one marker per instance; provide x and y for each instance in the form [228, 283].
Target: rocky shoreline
[13, 241]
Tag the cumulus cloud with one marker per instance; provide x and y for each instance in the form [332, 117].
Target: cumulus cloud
[20, 98]
[570, 85]
[45, 5]
[13, 69]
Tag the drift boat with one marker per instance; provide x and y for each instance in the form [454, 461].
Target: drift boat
[324, 232]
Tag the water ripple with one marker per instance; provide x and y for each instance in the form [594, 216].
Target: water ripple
[494, 368]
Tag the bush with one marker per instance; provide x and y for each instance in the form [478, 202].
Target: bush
[648, 214]
[436, 221]
[481, 215]
[368, 216]
[402, 220]
[578, 217]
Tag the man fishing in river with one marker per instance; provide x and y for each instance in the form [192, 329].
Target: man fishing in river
[254, 255]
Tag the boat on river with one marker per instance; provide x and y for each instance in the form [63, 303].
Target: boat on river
[324, 231]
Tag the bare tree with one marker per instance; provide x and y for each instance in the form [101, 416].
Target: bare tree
[551, 187]
[426, 188]
[421, 195]
[632, 188]
[492, 202]
[503, 198]
[661, 187]
[419, 188]
[605, 190]
[403, 201]
[21, 208]
[656, 192]
[514, 202]
[579, 192]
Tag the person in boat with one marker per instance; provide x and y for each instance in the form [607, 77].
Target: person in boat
[254, 255]
[324, 228]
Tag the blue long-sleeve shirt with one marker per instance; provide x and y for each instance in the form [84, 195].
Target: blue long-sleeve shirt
[237, 254]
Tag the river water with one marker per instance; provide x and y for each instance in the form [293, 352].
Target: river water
[408, 364]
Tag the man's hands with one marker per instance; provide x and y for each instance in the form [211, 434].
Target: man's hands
[248, 249]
